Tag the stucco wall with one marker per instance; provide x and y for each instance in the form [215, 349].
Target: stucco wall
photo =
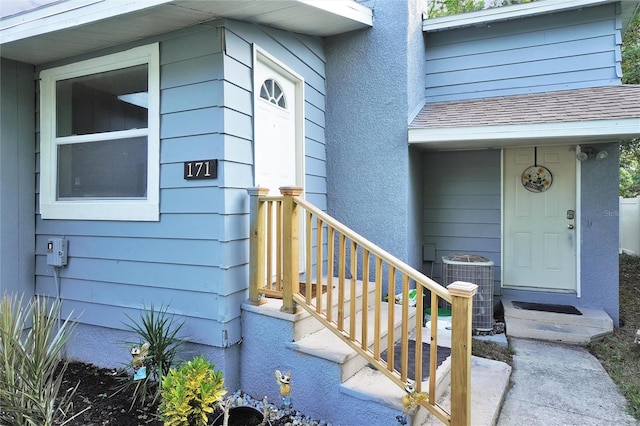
[599, 232]
[369, 174]
[17, 178]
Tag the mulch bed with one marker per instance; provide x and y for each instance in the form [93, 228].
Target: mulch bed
[97, 395]
[96, 388]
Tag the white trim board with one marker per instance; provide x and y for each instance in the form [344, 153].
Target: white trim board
[486, 16]
[101, 209]
[504, 135]
[76, 13]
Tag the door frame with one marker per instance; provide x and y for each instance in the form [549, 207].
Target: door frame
[261, 55]
[578, 191]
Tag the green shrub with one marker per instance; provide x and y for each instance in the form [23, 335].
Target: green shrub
[190, 393]
[31, 340]
[159, 330]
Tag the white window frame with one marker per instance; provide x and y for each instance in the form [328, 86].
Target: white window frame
[100, 209]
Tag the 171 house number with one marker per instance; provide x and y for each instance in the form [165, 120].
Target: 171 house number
[202, 169]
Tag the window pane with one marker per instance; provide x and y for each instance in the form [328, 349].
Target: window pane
[272, 92]
[106, 169]
[104, 102]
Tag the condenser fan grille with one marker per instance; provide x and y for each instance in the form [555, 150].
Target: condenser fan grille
[477, 270]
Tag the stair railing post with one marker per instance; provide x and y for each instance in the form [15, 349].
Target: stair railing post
[461, 313]
[257, 230]
[290, 248]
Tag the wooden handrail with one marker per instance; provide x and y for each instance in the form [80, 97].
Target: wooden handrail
[375, 250]
[274, 271]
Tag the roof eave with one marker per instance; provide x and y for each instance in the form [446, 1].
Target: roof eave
[24, 37]
[485, 137]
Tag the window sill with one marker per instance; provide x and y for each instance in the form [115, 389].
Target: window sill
[115, 210]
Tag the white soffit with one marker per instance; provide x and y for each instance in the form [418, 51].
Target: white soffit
[67, 28]
[504, 13]
[482, 137]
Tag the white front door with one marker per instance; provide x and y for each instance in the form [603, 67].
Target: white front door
[278, 135]
[277, 147]
[539, 226]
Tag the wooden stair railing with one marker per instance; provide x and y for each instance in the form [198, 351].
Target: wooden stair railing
[329, 246]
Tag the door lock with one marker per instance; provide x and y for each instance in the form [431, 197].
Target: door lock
[571, 214]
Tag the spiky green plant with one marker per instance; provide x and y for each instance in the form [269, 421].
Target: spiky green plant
[190, 393]
[31, 341]
[160, 329]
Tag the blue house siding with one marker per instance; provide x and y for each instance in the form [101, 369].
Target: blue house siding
[195, 258]
[305, 56]
[568, 50]
[17, 178]
[189, 233]
[462, 203]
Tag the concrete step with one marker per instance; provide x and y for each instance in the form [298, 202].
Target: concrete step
[325, 344]
[306, 324]
[556, 327]
[321, 362]
[362, 383]
[489, 384]
[368, 384]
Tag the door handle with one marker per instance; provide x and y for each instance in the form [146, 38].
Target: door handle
[570, 226]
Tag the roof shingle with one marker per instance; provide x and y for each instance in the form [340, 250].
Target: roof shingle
[595, 103]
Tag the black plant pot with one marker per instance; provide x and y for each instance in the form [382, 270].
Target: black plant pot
[242, 416]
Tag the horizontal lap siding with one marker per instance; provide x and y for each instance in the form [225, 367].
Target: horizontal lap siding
[193, 259]
[305, 56]
[16, 178]
[461, 212]
[555, 52]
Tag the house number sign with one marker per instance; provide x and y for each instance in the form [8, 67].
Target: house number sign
[200, 169]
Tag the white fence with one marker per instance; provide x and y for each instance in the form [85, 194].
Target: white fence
[630, 226]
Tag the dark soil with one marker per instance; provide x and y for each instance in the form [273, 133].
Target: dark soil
[96, 394]
[96, 387]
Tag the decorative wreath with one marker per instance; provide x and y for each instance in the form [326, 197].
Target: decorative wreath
[536, 178]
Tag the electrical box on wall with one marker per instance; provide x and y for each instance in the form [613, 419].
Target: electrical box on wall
[57, 251]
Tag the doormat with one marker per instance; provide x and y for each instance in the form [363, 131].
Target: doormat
[545, 307]
[442, 354]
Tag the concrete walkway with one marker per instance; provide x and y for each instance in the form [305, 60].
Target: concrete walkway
[556, 384]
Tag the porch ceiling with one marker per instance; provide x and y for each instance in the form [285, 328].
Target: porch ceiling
[590, 115]
[62, 29]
